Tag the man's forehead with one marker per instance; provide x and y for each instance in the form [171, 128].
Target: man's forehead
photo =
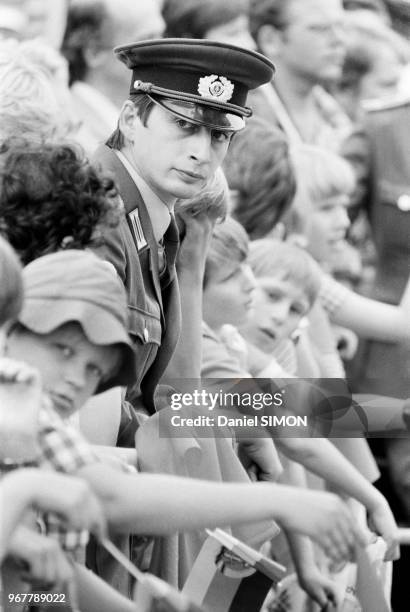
[309, 11]
[281, 279]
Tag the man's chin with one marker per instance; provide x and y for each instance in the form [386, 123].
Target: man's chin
[185, 191]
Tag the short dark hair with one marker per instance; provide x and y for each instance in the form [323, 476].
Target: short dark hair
[260, 173]
[267, 12]
[193, 18]
[51, 197]
[143, 104]
[85, 26]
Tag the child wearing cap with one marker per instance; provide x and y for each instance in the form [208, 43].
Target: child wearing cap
[20, 384]
[75, 366]
[29, 488]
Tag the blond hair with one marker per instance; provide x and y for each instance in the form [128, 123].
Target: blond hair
[320, 175]
[268, 257]
[229, 246]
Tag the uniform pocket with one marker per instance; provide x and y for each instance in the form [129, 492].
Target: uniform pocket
[145, 331]
[397, 196]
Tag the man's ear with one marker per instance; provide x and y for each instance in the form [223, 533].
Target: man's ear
[94, 57]
[129, 121]
[270, 41]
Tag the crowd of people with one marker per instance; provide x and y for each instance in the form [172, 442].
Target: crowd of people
[203, 196]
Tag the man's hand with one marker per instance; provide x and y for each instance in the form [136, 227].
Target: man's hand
[382, 521]
[196, 228]
[70, 498]
[45, 564]
[260, 459]
[324, 591]
[20, 402]
[326, 519]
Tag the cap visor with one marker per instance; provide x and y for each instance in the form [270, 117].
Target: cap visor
[202, 114]
[41, 316]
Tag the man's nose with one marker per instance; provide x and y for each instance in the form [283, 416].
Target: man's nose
[249, 277]
[280, 312]
[75, 376]
[200, 145]
[337, 31]
[343, 220]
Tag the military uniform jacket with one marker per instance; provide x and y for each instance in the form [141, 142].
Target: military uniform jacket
[153, 298]
[388, 131]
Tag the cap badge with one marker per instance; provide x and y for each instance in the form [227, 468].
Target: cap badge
[215, 88]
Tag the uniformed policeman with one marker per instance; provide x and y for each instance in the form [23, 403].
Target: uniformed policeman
[187, 99]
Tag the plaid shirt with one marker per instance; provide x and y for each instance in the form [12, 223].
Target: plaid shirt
[332, 294]
[63, 449]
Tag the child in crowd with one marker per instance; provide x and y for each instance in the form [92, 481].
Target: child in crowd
[261, 171]
[288, 283]
[30, 488]
[260, 174]
[69, 497]
[228, 288]
[320, 215]
[72, 327]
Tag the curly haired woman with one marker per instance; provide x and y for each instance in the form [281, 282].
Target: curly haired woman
[51, 198]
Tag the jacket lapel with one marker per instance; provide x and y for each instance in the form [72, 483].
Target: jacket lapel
[132, 199]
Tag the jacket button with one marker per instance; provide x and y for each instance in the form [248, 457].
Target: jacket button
[146, 334]
[403, 203]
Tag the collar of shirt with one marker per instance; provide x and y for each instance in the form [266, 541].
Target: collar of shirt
[158, 211]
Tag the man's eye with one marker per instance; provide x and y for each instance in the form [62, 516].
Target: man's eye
[219, 136]
[65, 350]
[95, 372]
[321, 28]
[185, 125]
[273, 296]
[326, 208]
[230, 275]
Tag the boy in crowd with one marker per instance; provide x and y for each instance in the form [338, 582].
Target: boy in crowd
[228, 288]
[21, 384]
[288, 282]
[73, 328]
[30, 488]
